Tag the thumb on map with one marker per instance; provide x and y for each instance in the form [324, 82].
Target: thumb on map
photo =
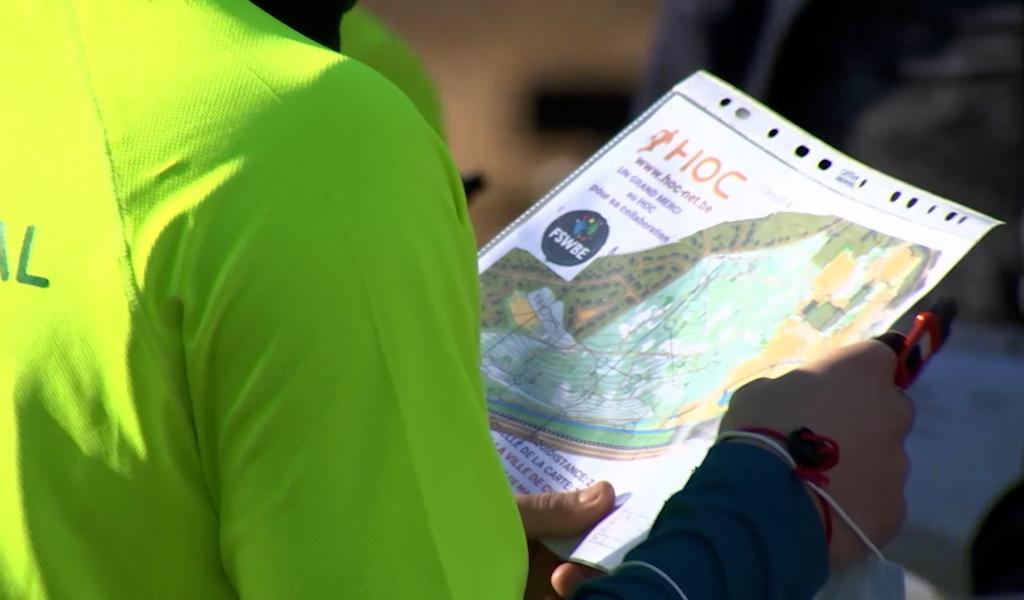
[562, 514]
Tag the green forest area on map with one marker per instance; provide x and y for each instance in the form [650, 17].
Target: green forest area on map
[607, 363]
[612, 284]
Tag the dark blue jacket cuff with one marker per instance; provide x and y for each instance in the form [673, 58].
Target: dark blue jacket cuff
[742, 528]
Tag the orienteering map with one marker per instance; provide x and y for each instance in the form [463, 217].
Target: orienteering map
[638, 346]
[709, 244]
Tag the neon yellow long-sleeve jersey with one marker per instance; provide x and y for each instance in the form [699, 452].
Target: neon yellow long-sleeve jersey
[238, 320]
[369, 40]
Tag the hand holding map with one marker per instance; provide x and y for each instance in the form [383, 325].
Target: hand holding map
[850, 396]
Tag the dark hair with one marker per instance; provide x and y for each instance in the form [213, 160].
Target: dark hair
[319, 20]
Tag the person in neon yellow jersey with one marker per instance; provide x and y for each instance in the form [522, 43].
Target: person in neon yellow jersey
[230, 367]
[253, 369]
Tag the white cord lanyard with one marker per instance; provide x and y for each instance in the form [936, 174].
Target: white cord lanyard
[784, 454]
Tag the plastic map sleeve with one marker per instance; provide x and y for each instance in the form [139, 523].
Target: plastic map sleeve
[710, 243]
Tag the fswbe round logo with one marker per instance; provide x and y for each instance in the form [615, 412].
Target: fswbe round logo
[574, 237]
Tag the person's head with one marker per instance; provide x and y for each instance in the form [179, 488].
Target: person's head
[319, 20]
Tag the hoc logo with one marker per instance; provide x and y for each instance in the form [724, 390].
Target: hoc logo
[574, 237]
[698, 163]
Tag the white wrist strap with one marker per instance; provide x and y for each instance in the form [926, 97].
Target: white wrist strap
[660, 573]
[784, 454]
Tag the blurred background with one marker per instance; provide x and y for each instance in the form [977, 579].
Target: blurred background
[528, 89]
[930, 92]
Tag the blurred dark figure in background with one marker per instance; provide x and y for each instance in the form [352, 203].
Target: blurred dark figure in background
[927, 91]
[996, 565]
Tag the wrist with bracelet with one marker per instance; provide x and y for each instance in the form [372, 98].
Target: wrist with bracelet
[810, 455]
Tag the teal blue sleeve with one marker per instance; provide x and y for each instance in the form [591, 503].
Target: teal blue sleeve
[742, 528]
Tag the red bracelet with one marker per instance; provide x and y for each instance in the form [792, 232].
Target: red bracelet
[813, 454]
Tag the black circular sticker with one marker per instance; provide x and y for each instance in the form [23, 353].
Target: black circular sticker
[574, 237]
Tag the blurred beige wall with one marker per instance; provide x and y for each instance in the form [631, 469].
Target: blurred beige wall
[486, 56]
